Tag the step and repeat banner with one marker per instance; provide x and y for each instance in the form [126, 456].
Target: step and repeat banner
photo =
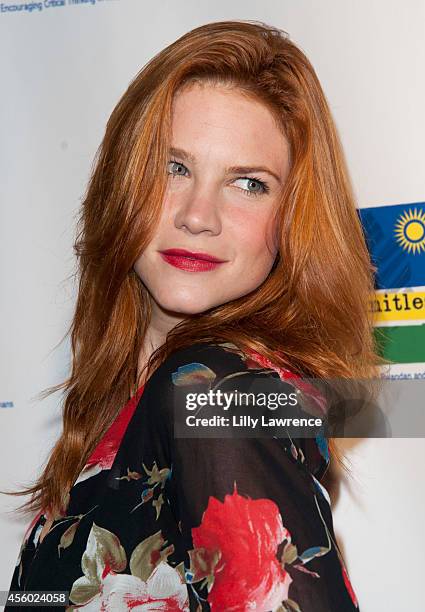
[65, 64]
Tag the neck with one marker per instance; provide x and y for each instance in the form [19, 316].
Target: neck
[162, 321]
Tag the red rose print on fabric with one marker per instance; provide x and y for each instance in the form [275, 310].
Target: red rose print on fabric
[247, 532]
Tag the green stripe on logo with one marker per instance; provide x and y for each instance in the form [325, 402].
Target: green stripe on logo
[401, 344]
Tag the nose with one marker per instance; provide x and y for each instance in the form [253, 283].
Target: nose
[198, 211]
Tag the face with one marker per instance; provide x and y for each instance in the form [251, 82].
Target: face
[214, 242]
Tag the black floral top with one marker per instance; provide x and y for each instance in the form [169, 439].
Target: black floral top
[158, 522]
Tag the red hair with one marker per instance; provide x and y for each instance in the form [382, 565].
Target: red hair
[310, 315]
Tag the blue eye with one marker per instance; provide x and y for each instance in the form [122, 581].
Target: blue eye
[177, 168]
[255, 186]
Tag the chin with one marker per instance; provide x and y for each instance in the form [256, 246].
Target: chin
[186, 304]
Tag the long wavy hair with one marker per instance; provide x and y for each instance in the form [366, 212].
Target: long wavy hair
[312, 312]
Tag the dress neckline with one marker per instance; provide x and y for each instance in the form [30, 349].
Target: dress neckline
[107, 447]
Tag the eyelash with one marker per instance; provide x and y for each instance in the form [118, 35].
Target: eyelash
[264, 186]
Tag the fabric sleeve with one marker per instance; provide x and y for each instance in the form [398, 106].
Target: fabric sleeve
[255, 521]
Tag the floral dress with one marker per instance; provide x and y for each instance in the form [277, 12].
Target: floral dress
[159, 522]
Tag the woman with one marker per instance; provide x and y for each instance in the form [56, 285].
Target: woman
[219, 240]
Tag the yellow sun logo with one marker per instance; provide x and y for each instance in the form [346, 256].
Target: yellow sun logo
[410, 231]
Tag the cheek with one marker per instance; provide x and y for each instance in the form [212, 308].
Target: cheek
[145, 265]
[253, 237]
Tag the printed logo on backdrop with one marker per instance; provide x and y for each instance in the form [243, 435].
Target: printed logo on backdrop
[396, 239]
[37, 7]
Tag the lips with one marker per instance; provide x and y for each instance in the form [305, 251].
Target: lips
[191, 261]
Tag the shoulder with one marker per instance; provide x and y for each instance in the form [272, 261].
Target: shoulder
[223, 365]
[201, 367]
[219, 364]
[199, 363]
[208, 363]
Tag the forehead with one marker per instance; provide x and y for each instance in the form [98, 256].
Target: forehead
[227, 123]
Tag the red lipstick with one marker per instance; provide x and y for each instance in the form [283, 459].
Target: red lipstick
[191, 261]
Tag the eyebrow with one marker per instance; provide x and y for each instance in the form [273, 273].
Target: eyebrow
[231, 170]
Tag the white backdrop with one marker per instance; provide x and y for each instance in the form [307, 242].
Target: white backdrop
[64, 67]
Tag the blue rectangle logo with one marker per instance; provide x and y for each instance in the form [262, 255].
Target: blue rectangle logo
[396, 240]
